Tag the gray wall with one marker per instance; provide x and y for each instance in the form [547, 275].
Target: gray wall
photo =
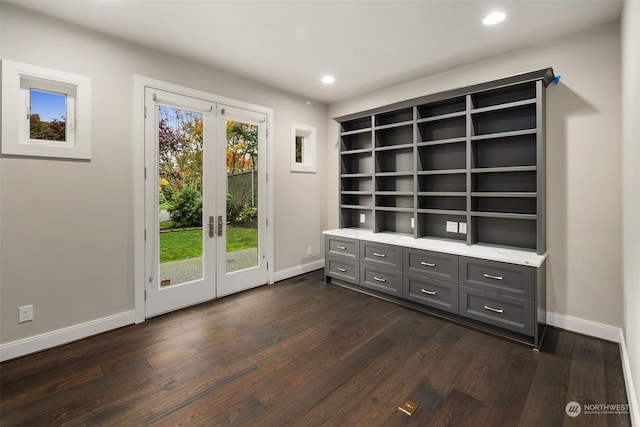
[631, 187]
[583, 162]
[66, 228]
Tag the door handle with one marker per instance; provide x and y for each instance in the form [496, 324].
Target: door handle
[219, 225]
[211, 227]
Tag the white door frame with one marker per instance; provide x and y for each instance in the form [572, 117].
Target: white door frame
[139, 84]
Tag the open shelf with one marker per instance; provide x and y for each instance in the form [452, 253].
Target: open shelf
[470, 155]
[453, 127]
[356, 141]
[442, 157]
[392, 117]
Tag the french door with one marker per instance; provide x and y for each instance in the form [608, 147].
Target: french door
[204, 200]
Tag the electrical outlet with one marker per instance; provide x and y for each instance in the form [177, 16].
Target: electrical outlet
[452, 226]
[25, 313]
[309, 252]
[363, 218]
[462, 227]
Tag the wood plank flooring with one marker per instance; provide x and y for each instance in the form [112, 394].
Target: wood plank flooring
[305, 353]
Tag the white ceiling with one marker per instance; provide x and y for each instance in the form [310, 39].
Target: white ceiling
[366, 45]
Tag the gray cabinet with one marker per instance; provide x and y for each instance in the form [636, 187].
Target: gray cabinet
[504, 297]
[465, 165]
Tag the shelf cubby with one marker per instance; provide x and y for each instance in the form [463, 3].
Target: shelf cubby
[456, 182]
[443, 129]
[442, 156]
[434, 225]
[360, 123]
[393, 117]
[504, 95]
[350, 218]
[398, 201]
[400, 160]
[504, 152]
[449, 203]
[441, 108]
[394, 183]
[516, 205]
[360, 163]
[506, 120]
[400, 135]
[358, 200]
[506, 182]
[512, 232]
[394, 221]
[356, 141]
[357, 184]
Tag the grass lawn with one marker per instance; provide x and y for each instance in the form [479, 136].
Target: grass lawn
[177, 245]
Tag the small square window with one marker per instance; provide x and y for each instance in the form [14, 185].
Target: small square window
[303, 148]
[45, 112]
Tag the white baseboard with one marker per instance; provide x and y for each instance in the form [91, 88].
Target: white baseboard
[628, 382]
[585, 327]
[297, 270]
[58, 337]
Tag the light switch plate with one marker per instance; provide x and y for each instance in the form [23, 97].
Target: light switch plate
[452, 226]
[413, 223]
[363, 218]
[462, 227]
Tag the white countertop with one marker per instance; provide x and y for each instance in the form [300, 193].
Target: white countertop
[493, 253]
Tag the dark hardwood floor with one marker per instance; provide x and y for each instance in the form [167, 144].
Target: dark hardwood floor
[306, 353]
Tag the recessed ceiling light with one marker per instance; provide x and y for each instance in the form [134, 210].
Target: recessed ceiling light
[328, 79]
[494, 18]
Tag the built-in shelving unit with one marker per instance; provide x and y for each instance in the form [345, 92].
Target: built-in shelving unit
[465, 165]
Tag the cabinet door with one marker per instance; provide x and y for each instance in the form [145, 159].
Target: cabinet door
[342, 247]
[343, 269]
[508, 313]
[381, 279]
[431, 292]
[382, 255]
[512, 280]
[431, 264]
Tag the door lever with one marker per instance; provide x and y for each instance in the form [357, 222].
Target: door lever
[211, 227]
[219, 225]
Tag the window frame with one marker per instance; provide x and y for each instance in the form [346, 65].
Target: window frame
[308, 133]
[17, 81]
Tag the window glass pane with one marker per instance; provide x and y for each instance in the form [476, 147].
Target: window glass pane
[48, 115]
[299, 145]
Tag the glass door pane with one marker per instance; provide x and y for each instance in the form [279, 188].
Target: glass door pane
[180, 169]
[242, 195]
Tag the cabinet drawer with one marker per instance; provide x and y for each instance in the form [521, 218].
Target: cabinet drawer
[381, 279]
[498, 277]
[431, 264]
[342, 247]
[431, 292]
[381, 254]
[343, 269]
[508, 313]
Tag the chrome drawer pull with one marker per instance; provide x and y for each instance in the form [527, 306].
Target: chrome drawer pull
[342, 248]
[378, 279]
[491, 276]
[495, 310]
[341, 269]
[424, 291]
[427, 264]
[379, 255]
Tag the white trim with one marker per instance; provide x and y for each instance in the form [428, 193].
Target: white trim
[298, 270]
[628, 382]
[66, 335]
[585, 327]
